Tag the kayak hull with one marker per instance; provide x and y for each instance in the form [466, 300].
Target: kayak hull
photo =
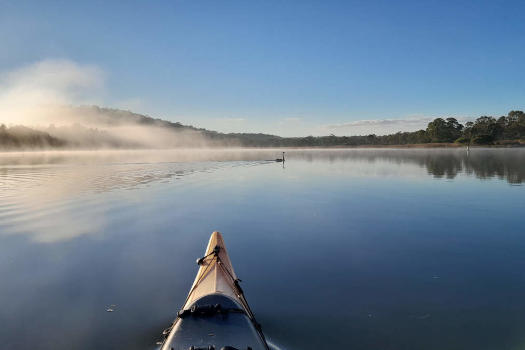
[215, 313]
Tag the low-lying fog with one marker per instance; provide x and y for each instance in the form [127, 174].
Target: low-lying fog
[57, 98]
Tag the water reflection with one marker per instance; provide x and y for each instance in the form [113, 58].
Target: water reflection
[126, 169]
[43, 192]
[381, 249]
[505, 164]
[57, 202]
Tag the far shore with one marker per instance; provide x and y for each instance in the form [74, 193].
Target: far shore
[405, 146]
[434, 145]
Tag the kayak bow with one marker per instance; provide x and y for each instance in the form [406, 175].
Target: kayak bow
[215, 315]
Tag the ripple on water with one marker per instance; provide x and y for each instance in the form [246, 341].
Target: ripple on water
[59, 200]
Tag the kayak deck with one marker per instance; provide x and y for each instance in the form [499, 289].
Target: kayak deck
[215, 314]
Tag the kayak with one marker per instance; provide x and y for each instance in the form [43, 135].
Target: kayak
[215, 315]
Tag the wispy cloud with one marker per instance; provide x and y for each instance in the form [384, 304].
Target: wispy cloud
[407, 122]
[379, 126]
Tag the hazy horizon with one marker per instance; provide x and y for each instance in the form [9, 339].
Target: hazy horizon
[281, 68]
[54, 92]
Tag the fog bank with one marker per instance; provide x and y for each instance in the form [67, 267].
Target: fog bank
[57, 97]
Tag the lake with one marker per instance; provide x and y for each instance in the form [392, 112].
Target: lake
[337, 249]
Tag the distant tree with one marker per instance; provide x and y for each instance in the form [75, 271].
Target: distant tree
[454, 129]
[515, 125]
[485, 130]
[436, 129]
[441, 130]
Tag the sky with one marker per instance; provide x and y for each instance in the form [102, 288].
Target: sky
[292, 68]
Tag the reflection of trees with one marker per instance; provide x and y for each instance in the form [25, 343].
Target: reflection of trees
[443, 166]
[505, 164]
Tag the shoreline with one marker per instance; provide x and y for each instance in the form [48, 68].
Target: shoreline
[405, 146]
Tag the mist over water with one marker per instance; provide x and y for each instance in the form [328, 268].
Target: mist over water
[363, 249]
[59, 97]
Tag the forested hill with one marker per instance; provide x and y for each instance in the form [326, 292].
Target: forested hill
[95, 127]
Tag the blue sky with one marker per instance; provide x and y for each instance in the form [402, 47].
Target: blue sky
[284, 67]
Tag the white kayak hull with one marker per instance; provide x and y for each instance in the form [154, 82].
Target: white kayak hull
[215, 314]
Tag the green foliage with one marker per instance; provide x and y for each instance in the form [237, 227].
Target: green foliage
[483, 139]
[440, 130]
[483, 131]
[506, 130]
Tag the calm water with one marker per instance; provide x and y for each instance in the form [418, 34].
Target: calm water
[353, 249]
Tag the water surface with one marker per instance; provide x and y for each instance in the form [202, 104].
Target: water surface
[357, 249]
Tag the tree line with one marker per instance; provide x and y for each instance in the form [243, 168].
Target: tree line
[485, 130]
[21, 137]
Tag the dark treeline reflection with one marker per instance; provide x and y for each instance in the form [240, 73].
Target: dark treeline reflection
[505, 164]
[138, 167]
